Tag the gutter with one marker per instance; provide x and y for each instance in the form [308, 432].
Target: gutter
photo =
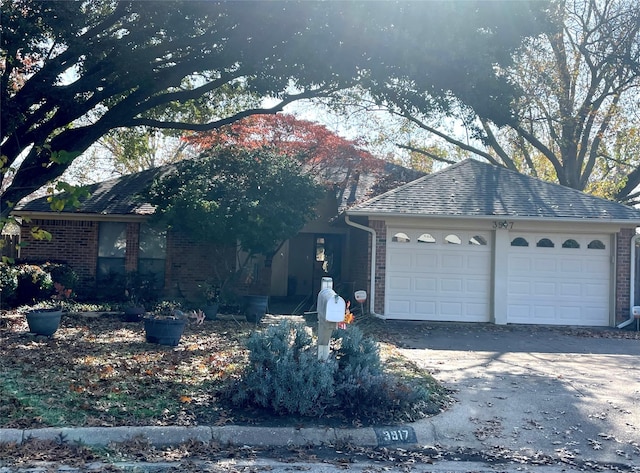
[81, 216]
[511, 218]
[372, 276]
[632, 282]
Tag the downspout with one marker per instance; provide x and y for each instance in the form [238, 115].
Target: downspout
[632, 282]
[372, 276]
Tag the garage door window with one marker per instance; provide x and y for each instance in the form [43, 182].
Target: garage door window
[477, 240]
[426, 238]
[545, 243]
[519, 242]
[401, 238]
[596, 245]
[570, 243]
[453, 239]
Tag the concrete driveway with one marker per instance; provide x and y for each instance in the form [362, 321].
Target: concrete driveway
[568, 393]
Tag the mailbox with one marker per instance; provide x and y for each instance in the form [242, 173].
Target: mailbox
[331, 309]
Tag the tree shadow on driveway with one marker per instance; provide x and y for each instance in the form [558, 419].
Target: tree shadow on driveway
[570, 393]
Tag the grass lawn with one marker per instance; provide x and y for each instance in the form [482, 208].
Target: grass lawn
[98, 371]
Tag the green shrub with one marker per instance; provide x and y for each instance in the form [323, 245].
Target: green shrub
[64, 276]
[355, 353]
[34, 284]
[362, 389]
[8, 284]
[285, 376]
[111, 287]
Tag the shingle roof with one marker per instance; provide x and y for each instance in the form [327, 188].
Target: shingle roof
[475, 189]
[120, 196]
[117, 196]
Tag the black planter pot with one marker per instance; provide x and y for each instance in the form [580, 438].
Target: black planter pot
[133, 314]
[211, 310]
[255, 308]
[44, 321]
[164, 331]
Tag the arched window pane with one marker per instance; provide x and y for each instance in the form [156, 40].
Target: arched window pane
[401, 238]
[477, 240]
[570, 243]
[453, 239]
[426, 238]
[596, 245]
[519, 242]
[545, 243]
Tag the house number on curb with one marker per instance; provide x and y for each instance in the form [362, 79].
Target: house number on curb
[394, 435]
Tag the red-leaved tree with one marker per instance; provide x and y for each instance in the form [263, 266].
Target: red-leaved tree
[322, 152]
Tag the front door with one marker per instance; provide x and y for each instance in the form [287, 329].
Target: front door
[327, 259]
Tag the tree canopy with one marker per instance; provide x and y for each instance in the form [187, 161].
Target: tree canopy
[256, 198]
[323, 152]
[574, 120]
[73, 71]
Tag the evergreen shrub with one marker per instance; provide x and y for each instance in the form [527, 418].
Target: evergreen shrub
[285, 376]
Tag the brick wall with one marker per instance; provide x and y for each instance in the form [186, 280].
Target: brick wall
[623, 278]
[72, 242]
[189, 264]
[381, 262]
[359, 254]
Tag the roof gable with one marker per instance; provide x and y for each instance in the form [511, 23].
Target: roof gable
[475, 189]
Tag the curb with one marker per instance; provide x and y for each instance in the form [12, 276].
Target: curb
[230, 435]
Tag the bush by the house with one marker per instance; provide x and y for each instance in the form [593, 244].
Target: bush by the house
[8, 284]
[65, 279]
[34, 284]
[285, 376]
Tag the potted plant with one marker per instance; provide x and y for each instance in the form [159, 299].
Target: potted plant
[165, 324]
[211, 294]
[44, 318]
[136, 291]
[255, 307]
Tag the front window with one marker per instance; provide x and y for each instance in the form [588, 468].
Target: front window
[112, 249]
[152, 246]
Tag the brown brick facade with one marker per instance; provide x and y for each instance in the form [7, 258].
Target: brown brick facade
[188, 264]
[72, 241]
[359, 257]
[381, 263]
[623, 274]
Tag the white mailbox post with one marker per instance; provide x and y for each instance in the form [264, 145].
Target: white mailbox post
[331, 309]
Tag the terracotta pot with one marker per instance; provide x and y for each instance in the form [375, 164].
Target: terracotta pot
[44, 321]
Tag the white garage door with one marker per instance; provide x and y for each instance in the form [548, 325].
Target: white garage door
[559, 279]
[435, 275]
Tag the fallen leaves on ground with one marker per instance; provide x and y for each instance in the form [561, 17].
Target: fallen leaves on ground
[99, 371]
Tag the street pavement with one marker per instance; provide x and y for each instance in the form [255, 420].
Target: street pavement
[530, 395]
